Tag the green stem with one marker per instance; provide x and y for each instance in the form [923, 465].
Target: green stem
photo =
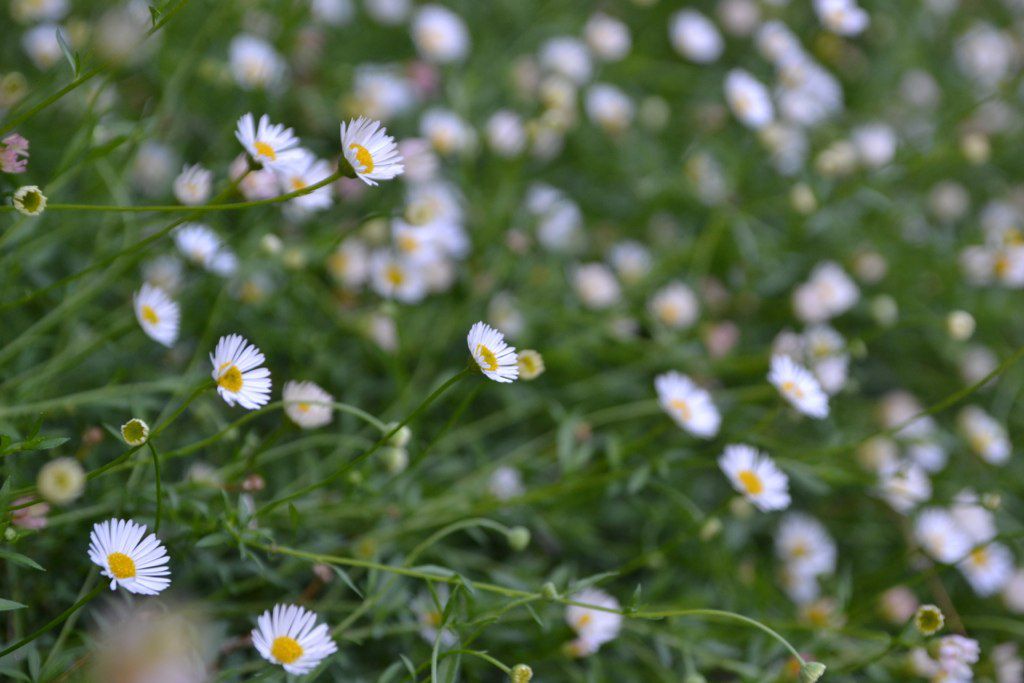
[57, 621]
[159, 493]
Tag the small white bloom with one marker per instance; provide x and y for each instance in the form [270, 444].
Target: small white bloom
[596, 286]
[307, 404]
[333, 12]
[607, 37]
[289, 635]
[749, 99]
[302, 171]
[370, 151]
[158, 314]
[987, 568]
[192, 186]
[268, 143]
[956, 655]
[430, 615]
[388, 12]
[609, 107]
[828, 292]
[595, 627]
[447, 131]
[631, 260]
[940, 536]
[397, 278]
[973, 518]
[843, 17]
[688, 404]
[440, 34]
[904, 486]
[41, 46]
[202, 246]
[29, 200]
[756, 476]
[350, 263]
[31, 11]
[255, 63]
[695, 37]
[238, 372]
[675, 306]
[804, 544]
[568, 57]
[987, 438]
[61, 480]
[128, 557]
[798, 386]
[496, 359]
[875, 143]
[506, 483]
[505, 133]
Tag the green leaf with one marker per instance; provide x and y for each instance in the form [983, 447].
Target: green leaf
[343, 575]
[8, 605]
[68, 54]
[18, 558]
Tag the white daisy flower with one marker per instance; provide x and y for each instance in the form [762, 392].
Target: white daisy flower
[307, 404]
[843, 17]
[396, 278]
[202, 246]
[440, 35]
[430, 615]
[804, 544]
[987, 437]
[237, 371]
[749, 99]
[349, 265]
[370, 151]
[904, 486]
[695, 37]
[301, 171]
[940, 536]
[675, 306]
[608, 38]
[798, 386]
[158, 314]
[595, 627]
[267, 143]
[192, 186]
[956, 655]
[688, 404]
[988, 568]
[828, 292]
[756, 476]
[289, 635]
[596, 286]
[506, 483]
[255, 63]
[128, 557]
[976, 521]
[496, 359]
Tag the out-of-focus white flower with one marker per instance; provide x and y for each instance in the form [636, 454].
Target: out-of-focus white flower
[608, 38]
[739, 17]
[202, 246]
[695, 37]
[595, 627]
[430, 615]
[749, 99]
[333, 12]
[675, 306]
[388, 12]
[596, 286]
[898, 605]
[986, 55]
[609, 107]
[350, 263]
[307, 404]
[505, 483]
[844, 17]
[940, 536]
[805, 545]
[829, 292]
[381, 92]
[756, 476]
[395, 278]
[949, 200]
[631, 260]
[1008, 663]
[956, 655]
[798, 386]
[875, 143]
[505, 133]
[904, 486]
[447, 131]
[158, 314]
[1013, 592]
[986, 436]
[61, 481]
[440, 34]
[31, 11]
[688, 404]
[987, 568]
[255, 63]
[192, 186]
[300, 172]
[568, 57]
[41, 46]
[504, 311]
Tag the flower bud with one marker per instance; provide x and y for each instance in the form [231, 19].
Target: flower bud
[396, 459]
[135, 432]
[29, 200]
[521, 673]
[811, 672]
[929, 619]
[401, 438]
[518, 538]
[549, 591]
[61, 481]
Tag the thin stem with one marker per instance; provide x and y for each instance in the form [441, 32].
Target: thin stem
[159, 493]
[57, 621]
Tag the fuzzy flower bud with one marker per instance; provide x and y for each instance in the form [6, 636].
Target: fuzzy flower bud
[135, 432]
[29, 200]
[811, 672]
[521, 673]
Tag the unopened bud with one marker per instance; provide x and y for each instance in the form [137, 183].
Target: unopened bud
[396, 459]
[253, 482]
[135, 432]
[695, 678]
[811, 672]
[711, 528]
[401, 437]
[929, 619]
[549, 591]
[521, 673]
[518, 538]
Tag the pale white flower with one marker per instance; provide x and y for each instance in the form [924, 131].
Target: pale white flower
[631, 260]
[192, 186]
[333, 12]
[607, 37]
[202, 246]
[568, 57]
[974, 519]
[267, 143]
[986, 436]
[307, 404]
[448, 132]
[381, 92]
[1013, 592]
[158, 314]
[804, 544]
[829, 292]
[301, 171]
[695, 37]
[61, 480]
[956, 655]
[875, 143]
[675, 306]
[430, 615]
[596, 286]
[370, 151]
[505, 133]
[904, 486]
[749, 99]
[756, 476]
[388, 12]
[497, 360]
[843, 17]
[238, 372]
[30, 11]
[396, 278]
[440, 35]
[255, 64]
[986, 55]
[987, 568]
[595, 627]
[609, 107]
[940, 536]
[128, 557]
[350, 263]
[688, 404]
[41, 46]
[798, 386]
[289, 635]
[505, 483]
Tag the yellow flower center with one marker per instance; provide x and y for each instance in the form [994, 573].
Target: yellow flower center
[528, 364]
[584, 619]
[799, 550]
[149, 315]
[751, 482]
[265, 150]
[395, 275]
[979, 557]
[230, 379]
[364, 157]
[407, 243]
[303, 407]
[286, 649]
[121, 566]
[490, 361]
[1002, 265]
[790, 388]
[683, 408]
[297, 184]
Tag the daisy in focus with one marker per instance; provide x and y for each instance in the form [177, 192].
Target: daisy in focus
[496, 359]
[689, 405]
[289, 635]
[270, 144]
[798, 386]
[237, 371]
[756, 476]
[128, 557]
[307, 405]
[370, 151]
[158, 314]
